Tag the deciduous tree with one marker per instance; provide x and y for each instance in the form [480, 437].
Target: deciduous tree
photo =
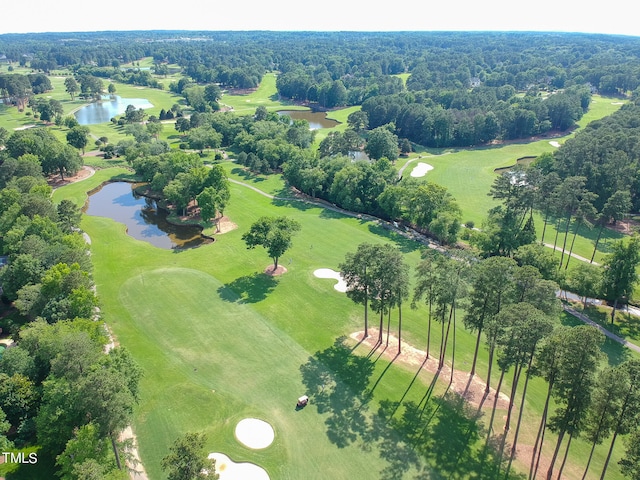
[272, 233]
[187, 459]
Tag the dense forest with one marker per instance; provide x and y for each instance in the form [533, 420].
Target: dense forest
[462, 89]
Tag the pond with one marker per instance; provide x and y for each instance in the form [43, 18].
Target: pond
[107, 108]
[316, 120]
[143, 219]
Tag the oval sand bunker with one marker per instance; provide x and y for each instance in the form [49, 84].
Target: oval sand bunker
[230, 470]
[254, 433]
[421, 169]
[341, 286]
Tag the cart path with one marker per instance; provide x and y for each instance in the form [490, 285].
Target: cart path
[611, 335]
[322, 204]
[577, 257]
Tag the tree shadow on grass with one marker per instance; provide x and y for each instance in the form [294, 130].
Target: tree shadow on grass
[248, 175]
[248, 289]
[336, 380]
[406, 245]
[284, 199]
[439, 437]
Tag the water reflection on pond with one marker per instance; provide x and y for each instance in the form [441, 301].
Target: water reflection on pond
[316, 120]
[144, 221]
[107, 108]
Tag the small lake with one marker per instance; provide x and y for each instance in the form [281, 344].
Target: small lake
[316, 120]
[143, 219]
[107, 108]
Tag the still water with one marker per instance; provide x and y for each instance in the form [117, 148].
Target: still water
[109, 107]
[144, 221]
[316, 120]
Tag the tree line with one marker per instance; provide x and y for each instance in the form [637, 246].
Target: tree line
[461, 89]
[59, 391]
[513, 311]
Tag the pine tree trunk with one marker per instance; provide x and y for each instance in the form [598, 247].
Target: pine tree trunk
[115, 451]
[537, 447]
[388, 326]
[399, 329]
[512, 454]
[597, 242]
[429, 331]
[564, 460]
[441, 343]
[446, 337]
[606, 462]
[544, 226]
[555, 455]
[555, 240]
[453, 347]
[621, 417]
[573, 240]
[514, 387]
[366, 312]
[564, 244]
[491, 351]
[475, 354]
[495, 404]
[593, 444]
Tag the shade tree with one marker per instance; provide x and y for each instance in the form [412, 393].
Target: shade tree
[187, 459]
[275, 234]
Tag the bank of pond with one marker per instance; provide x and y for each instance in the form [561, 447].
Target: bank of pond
[143, 218]
[108, 107]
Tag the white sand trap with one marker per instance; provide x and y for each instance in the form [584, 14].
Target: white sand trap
[421, 169]
[341, 286]
[230, 470]
[254, 433]
[553, 143]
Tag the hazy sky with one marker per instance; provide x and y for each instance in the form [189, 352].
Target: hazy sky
[538, 15]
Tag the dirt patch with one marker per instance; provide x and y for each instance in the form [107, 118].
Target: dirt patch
[471, 389]
[225, 225]
[274, 272]
[55, 181]
[626, 227]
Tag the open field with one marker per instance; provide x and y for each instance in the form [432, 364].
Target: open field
[265, 95]
[219, 341]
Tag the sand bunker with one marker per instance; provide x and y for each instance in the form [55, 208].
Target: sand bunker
[341, 286]
[553, 143]
[421, 169]
[230, 470]
[254, 433]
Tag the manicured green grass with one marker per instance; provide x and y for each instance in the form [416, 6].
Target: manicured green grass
[265, 95]
[220, 341]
